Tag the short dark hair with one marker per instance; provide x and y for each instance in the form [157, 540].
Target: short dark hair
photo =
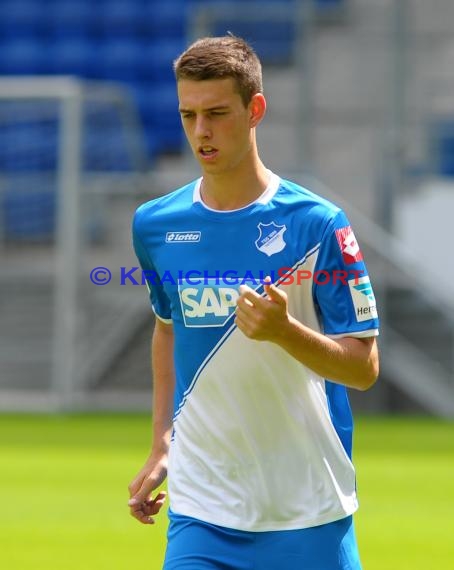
[220, 58]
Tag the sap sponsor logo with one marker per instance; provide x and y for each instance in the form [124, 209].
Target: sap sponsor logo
[363, 299]
[183, 237]
[348, 245]
[206, 305]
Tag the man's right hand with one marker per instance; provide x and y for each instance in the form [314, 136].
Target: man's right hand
[141, 504]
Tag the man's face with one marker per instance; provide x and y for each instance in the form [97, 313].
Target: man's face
[216, 123]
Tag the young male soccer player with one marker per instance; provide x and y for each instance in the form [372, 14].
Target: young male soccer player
[265, 314]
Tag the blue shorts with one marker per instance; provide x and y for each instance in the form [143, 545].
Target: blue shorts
[196, 545]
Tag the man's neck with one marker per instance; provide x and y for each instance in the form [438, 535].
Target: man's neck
[235, 189]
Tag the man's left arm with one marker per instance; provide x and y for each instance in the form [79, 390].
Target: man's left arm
[350, 361]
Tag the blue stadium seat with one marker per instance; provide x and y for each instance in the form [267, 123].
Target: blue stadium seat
[158, 106]
[120, 59]
[125, 40]
[279, 3]
[272, 37]
[120, 17]
[442, 143]
[28, 215]
[273, 43]
[156, 100]
[165, 20]
[329, 3]
[28, 157]
[105, 149]
[73, 17]
[253, 3]
[23, 18]
[156, 63]
[168, 139]
[29, 145]
[74, 56]
[24, 56]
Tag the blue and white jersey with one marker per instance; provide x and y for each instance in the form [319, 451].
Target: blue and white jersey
[261, 442]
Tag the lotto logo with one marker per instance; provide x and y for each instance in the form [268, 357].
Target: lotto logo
[182, 237]
[348, 245]
[206, 305]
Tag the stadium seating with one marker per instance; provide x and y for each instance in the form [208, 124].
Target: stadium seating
[132, 41]
[166, 20]
[70, 18]
[23, 18]
[25, 56]
[28, 216]
[118, 18]
[74, 56]
[274, 44]
[128, 41]
[118, 59]
[442, 147]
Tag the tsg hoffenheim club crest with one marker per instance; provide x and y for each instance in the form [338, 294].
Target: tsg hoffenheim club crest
[271, 238]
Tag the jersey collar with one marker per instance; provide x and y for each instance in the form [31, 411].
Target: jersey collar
[266, 196]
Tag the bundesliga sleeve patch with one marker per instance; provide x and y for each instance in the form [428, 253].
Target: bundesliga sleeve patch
[348, 245]
[363, 299]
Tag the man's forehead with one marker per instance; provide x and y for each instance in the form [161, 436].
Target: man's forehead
[207, 92]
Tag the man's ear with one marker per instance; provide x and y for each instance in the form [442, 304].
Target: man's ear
[257, 108]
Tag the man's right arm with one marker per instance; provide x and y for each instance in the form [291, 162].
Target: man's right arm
[154, 472]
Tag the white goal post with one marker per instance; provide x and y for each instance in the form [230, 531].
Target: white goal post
[72, 164]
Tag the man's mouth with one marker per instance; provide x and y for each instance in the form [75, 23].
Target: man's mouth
[207, 151]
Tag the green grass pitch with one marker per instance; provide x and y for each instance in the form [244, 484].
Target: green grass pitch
[63, 493]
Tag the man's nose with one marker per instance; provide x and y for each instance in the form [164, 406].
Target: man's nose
[202, 128]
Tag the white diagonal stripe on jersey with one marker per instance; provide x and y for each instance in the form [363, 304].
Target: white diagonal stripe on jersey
[222, 340]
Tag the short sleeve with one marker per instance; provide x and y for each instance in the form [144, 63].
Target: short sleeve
[158, 298]
[342, 288]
